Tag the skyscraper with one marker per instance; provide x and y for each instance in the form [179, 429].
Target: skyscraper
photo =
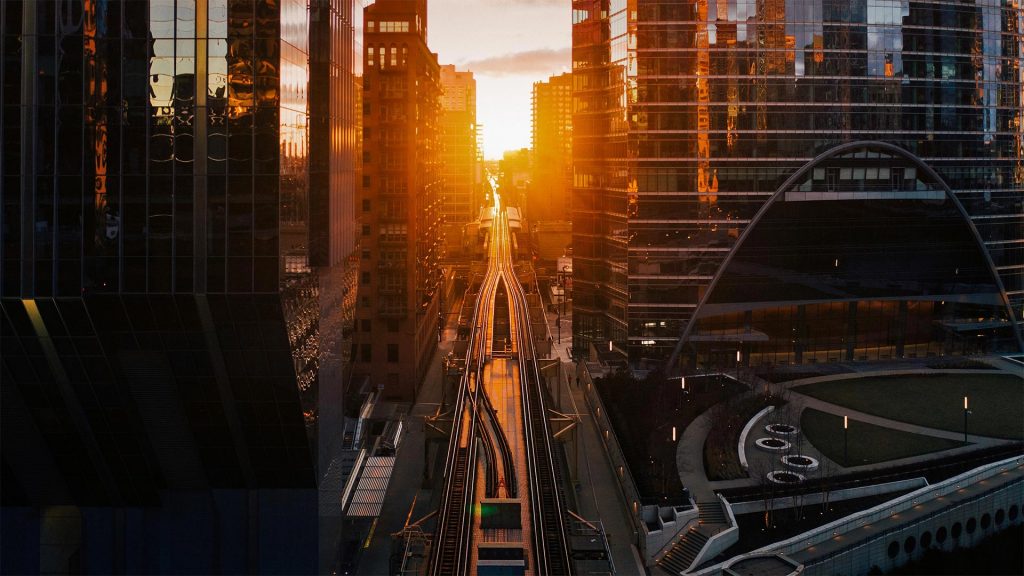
[550, 192]
[400, 274]
[776, 182]
[460, 168]
[164, 277]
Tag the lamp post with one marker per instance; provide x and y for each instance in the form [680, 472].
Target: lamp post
[846, 440]
[739, 359]
[565, 276]
[966, 412]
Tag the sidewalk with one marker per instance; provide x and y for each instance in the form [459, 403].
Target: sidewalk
[598, 495]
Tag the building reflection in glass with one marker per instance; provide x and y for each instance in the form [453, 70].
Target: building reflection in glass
[690, 115]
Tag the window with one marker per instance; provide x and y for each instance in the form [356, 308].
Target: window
[366, 353]
[364, 301]
[370, 56]
[392, 27]
[909, 545]
[366, 229]
[364, 278]
[366, 253]
[366, 202]
[392, 325]
[392, 353]
[367, 325]
[393, 232]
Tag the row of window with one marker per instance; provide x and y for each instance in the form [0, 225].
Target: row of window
[383, 56]
[387, 26]
[910, 543]
[366, 353]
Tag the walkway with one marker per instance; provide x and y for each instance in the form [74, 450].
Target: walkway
[690, 450]
[598, 496]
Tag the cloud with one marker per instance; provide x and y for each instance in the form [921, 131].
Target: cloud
[530, 62]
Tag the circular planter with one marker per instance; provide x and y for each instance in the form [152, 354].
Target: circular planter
[800, 462]
[772, 444]
[785, 478]
[785, 430]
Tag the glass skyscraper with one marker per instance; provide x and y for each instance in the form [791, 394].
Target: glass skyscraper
[165, 275]
[782, 181]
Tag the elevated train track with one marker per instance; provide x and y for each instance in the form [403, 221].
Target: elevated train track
[478, 432]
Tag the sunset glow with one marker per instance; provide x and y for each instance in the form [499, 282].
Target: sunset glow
[508, 45]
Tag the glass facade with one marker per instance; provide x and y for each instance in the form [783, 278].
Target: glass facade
[552, 150]
[462, 198]
[689, 116]
[161, 298]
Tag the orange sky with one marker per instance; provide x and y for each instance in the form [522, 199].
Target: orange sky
[508, 44]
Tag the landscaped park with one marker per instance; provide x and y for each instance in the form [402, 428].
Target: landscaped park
[995, 401]
[867, 443]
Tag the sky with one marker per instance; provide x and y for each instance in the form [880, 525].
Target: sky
[508, 45]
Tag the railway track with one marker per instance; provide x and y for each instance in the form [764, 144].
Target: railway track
[547, 511]
[476, 425]
[451, 549]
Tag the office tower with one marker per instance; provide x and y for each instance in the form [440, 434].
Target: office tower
[550, 194]
[514, 176]
[773, 182]
[400, 274]
[460, 168]
[161, 283]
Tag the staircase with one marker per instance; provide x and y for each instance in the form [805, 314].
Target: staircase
[711, 512]
[712, 519]
[678, 559]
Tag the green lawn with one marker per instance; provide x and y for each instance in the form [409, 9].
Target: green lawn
[937, 401]
[869, 444]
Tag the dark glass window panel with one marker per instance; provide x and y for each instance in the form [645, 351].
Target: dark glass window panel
[240, 274]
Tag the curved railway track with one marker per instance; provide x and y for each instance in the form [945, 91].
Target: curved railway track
[476, 424]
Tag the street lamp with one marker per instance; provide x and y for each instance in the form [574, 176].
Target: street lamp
[966, 412]
[846, 440]
[565, 275]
